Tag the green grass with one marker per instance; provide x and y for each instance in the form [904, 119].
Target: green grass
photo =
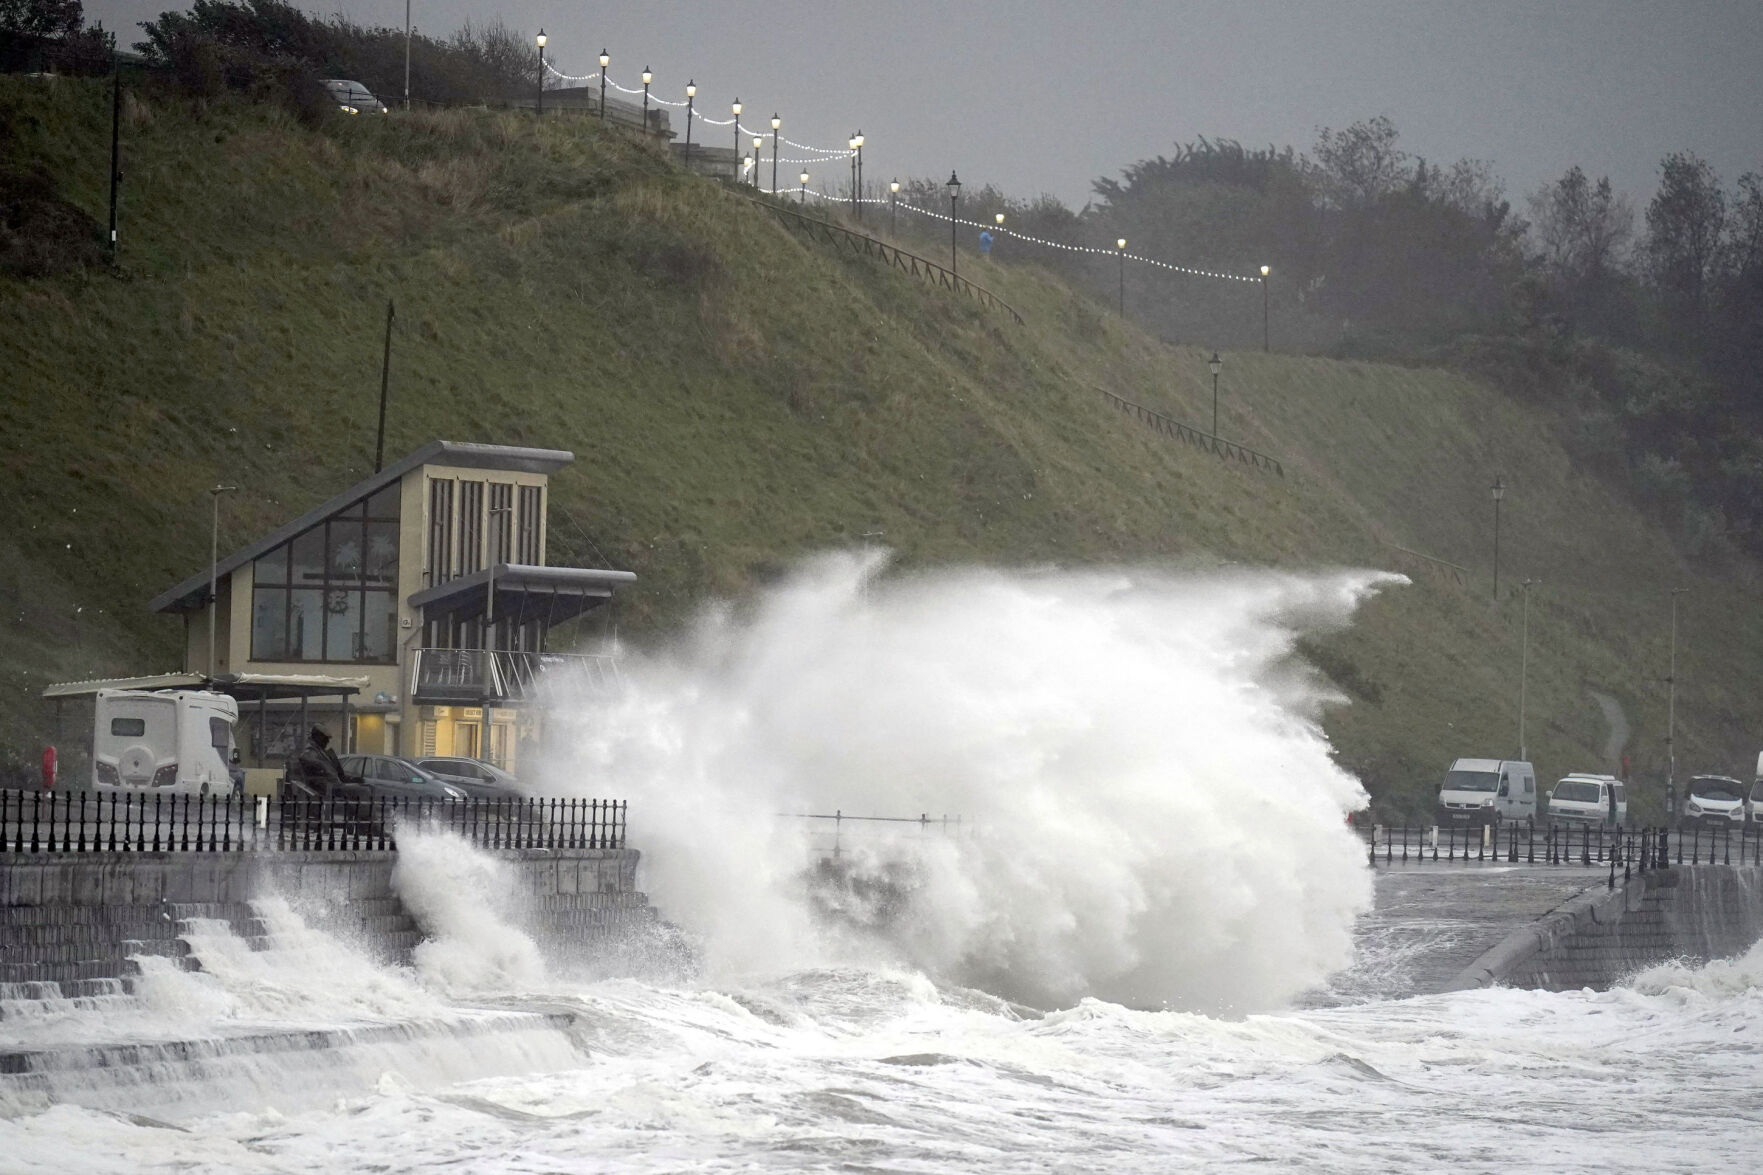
[737, 396]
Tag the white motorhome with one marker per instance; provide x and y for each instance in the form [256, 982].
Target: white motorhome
[1488, 791]
[1582, 798]
[165, 740]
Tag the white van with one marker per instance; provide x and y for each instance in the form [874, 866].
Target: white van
[170, 740]
[1487, 791]
[1581, 798]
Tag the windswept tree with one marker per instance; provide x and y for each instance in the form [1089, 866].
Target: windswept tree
[1685, 223]
[55, 19]
[1582, 231]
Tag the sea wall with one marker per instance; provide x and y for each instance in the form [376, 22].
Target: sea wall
[70, 917]
[1595, 940]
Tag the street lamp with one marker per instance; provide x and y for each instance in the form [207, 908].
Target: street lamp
[214, 570]
[1498, 491]
[803, 194]
[954, 186]
[605, 60]
[1120, 249]
[1217, 365]
[858, 143]
[851, 144]
[539, 106]
[1524, 665]
[737, 109]
[1671, 718]
[691, 96]
[407, 54]
[758, 154]
[647, 78]
[893, 206]
[1264, 272]
[776, 122]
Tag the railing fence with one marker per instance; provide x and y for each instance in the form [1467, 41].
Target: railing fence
[140, 822]
[1586, 846]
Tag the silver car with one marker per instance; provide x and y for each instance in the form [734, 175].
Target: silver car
[352, 97]
[478, 779]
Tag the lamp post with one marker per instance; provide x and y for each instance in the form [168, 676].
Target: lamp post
[999, 220]
[1265, 270]
[776, 122]
[1120, 250]
[605, 60]
[851, 144]
[1671, 717]
[893, 206]
[758, 154]
[539, 105]
[691, 96]
[954, 186]
[214, 570]
[1217, 365]
[647, 78]
[407, 54]
[737, 109]
[1498, 491]
[802, 194]
[1524, 665]
[858, 140]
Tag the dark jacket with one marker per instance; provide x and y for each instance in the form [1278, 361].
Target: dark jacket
[319, 768]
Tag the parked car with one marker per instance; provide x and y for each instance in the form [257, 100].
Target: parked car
[478, 779]
[1713, 799]
[352, 97]
[392, 777]
[1487, 791]
[1583, 798]
[1754, 807]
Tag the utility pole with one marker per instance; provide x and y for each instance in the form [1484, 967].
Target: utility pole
[379, 442]
[1524, 665]
[115, 139]
[214, 571]
[1498, 492]
[407, 54]
[1671, 717]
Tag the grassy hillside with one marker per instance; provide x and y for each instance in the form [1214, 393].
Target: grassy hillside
[736, 396]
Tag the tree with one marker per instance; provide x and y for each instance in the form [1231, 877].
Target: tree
[42, 18]
[1362, 164]
[1582, 232]
[1683, 245]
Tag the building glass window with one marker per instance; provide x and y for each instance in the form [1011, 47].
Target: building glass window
[437, 566]
[330, 593]
[471, 516]
[531, 517]
[501, 525]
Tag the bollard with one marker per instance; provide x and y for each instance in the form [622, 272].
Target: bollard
[1487, 834]
[1435, 845]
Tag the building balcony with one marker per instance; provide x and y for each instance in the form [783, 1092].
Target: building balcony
[506, 677]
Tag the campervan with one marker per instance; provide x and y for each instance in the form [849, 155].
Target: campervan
[1488, 791]
[163, 740]
[1583, 798]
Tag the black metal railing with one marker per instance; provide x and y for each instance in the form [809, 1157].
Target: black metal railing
[869, 828]
[1584, 845]
[1217, 446]
[143, 822]
[863, 245]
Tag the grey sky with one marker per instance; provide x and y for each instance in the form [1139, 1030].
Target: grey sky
[1042, 96]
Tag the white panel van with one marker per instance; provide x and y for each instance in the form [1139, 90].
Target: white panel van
[163, 740]
[1582, 798]
[1488, 791]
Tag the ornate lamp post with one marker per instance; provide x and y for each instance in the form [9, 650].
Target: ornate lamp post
[1264, 272]
[858, 143]
[605, 60]
[737, 109]
[758, 154]
[851, 143]
[691, 96]
[647, 78]
[803, 192]
[893, 206]
[776, 122]
[539, 105]
[1120, 251]
[954, 186]
[1217, 365]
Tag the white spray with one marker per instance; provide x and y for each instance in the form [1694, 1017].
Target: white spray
[1159, 819]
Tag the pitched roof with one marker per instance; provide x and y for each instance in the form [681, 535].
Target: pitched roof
[192, 593]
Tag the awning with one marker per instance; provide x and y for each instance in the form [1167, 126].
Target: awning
[267, 686]
[523, 591]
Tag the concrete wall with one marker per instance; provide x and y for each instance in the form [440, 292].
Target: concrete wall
[81, 917]
[1595, 940]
